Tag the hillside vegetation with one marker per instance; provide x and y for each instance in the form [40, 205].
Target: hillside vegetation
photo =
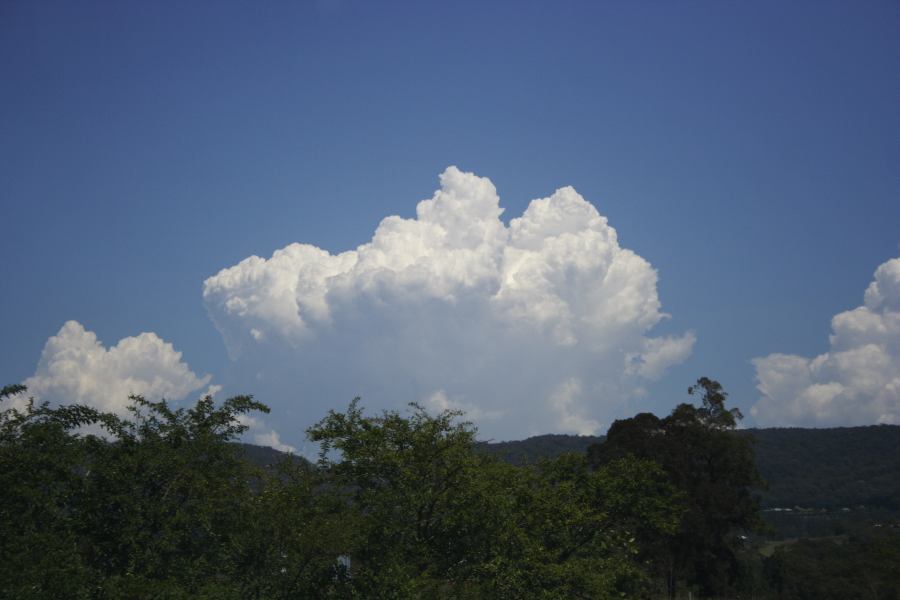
[830, 468]
[843, 467]
[165, 504]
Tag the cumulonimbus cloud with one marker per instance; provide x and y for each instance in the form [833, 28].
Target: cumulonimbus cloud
[857, 382]
[75, 368]
[539, 325]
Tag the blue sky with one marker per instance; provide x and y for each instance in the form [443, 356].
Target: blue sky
[748, 151]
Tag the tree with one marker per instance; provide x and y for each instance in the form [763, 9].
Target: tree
[43, 468]
[165, 498]
[92, 505]
[295, 530]
[417, 493]
[438, 519]
[714, 470]
[712, 412]
[164, 505]
[577, 529]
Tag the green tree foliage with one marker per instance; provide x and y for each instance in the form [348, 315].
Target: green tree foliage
[714, 470]
[539, 447]
[164, 500]
[830, 468]
[417, 491]
[859, 566]
[295, 529]
[822, 471]
[102, 507]
[41, 480]
[438, 519]
[163, 505]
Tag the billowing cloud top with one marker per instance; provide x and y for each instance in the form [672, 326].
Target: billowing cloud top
[75, 368]
[535, 326]
[857, 382]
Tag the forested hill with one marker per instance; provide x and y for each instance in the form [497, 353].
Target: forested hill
[830, 468]
[518, 452]
[264, 456]
[811, 468]
[815, 468]
[533, 449]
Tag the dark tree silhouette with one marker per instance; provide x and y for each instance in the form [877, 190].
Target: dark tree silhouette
[714, 470]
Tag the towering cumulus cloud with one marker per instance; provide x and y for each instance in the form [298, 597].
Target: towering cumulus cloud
[75, 368]
[532, 327]
[857, 382]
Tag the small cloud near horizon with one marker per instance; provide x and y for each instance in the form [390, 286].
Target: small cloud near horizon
[857, 382]
[75, 368]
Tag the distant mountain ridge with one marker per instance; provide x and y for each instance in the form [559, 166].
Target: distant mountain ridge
[815, 468]
[533, 449]
[810, 468]
[830, 468]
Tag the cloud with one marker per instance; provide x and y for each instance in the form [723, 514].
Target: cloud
[440, 402]
[658, 354]
[565, 401]
[857, 382]
[75, 368]
[453, 308]
[261, 435]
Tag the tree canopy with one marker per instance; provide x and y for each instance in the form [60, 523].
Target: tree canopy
[164, 504]
[714, 471]
[436, 518]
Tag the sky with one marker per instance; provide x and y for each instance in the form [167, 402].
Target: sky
[548, 215]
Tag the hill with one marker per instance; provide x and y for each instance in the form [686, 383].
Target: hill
[814, 468]
[533, 449]
[831, 469]
[266, 457]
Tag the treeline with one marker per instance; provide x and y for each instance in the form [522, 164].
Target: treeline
[860, 565]
[844, 467]
[163, 504]
[537, 448]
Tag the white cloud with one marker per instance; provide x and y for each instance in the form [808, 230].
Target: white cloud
[440, 402]
[261, 435]
[75, 368]
[565, 400]
[658, 354]
[454, 302]
[857, 382]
